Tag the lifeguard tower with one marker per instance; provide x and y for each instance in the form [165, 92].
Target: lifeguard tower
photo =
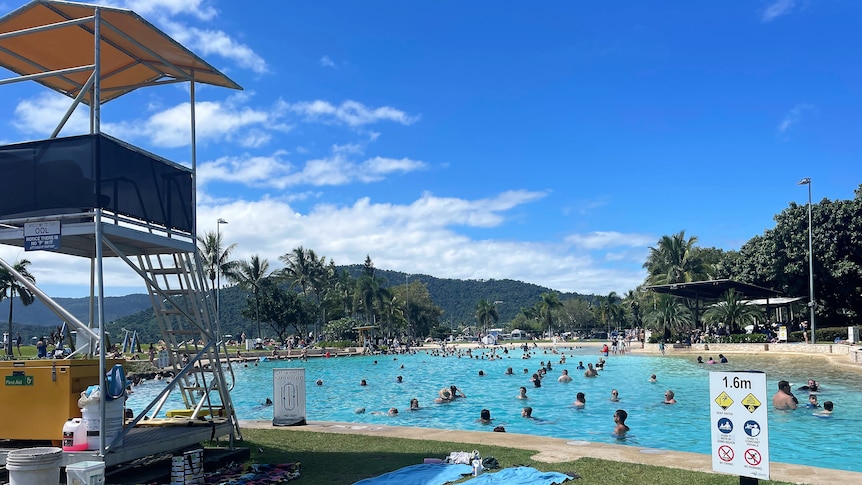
[94, 196]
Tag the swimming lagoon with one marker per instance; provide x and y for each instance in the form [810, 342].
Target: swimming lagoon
[794, 437]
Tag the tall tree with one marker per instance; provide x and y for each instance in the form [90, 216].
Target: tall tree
[674, 260]
[549, 303]
[10, 287]
[486, 313]
[608, 309]
[369, 295]
[733, 311]
[778, 258]
[669, 316]
[283, 310]
[215, 256]
[250, 275]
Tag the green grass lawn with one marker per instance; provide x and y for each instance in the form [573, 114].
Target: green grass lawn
[335, 459]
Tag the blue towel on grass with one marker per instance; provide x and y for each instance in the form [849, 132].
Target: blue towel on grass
[521, 475]
[422, 474]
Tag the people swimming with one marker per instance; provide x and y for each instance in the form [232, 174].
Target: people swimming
[522, 393]
[826, 412]
[812, 402]
[615, 395]
[812, 386]
[668, 397]
[722, 359]
[414, 404]
[699, 359]
[536, 380]
[444, 397]
[620, 429]
[580, 400]
[485, 416]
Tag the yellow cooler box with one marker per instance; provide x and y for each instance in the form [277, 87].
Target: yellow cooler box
[38, 396]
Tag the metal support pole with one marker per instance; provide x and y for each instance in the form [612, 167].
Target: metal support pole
[811, 302]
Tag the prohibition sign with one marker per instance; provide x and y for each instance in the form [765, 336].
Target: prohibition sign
[752, 457]
[725, 453]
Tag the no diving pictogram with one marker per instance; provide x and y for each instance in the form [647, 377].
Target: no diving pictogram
[725, 453]
[752, 457]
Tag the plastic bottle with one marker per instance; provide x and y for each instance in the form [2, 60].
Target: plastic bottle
[74, 435]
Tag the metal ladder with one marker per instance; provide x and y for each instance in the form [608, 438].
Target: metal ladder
[197, 353]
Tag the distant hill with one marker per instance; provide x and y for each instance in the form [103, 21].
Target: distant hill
[39, 315]
[457, 298]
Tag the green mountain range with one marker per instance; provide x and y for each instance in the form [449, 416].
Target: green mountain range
[457, 298]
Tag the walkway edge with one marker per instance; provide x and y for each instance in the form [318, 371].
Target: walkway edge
[557, 450]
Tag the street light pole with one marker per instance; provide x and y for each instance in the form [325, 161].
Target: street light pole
[807, 181]
[219, 222]
[407, 279]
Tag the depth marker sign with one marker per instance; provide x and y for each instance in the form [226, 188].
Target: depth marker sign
[740, 436]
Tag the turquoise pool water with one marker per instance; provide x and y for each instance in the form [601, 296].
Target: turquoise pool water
[794, 437]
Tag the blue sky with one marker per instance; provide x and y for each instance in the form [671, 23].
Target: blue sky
[551, 143]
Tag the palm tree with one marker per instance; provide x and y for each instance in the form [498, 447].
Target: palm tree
[549, 303]
[303, 268]
[673, 260]
[485, 313]
[11, 287]
[299, 268]
[369, 295]
[732, 311]
[669, 316]
[251, 275]
[214, 256]
[608, 308]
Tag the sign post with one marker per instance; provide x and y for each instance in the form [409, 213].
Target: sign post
[288, 386]
[42, 236]
[740, 435]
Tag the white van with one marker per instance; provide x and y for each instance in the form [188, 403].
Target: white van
[518, 334]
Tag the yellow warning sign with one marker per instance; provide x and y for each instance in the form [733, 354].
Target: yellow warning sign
[724, 400]
[751, 403]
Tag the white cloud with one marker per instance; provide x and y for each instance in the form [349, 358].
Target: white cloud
[41, 114]
[420, 237]
[776, 9]
[325, 61]
[275, 171]
[163, 8]
[351, 113]
[205, 42]
[793, 118]
[200, 41]
[215, 121]
[609, 239]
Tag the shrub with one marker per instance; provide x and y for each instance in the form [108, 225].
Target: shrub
[738, 338]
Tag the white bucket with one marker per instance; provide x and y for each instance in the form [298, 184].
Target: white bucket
[34, 466]
[86, 473]
[113, 422]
